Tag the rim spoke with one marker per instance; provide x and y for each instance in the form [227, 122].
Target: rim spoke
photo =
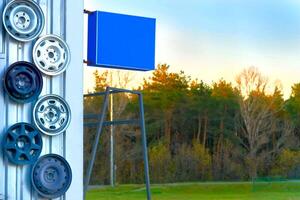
[17, 155]
[40, 115]
[22, 129]
[27, 155]
[32, 134]
[13, 135]
[35, 147]
[10, 146]
[45, 105]
[63, 116]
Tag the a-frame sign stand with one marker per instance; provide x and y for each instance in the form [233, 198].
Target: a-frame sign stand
[140, 122]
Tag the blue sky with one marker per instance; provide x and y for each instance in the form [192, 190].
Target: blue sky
[213, 39]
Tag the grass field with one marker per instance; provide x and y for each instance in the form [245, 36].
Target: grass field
[202, 191]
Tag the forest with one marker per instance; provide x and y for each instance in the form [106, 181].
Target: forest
[221, 131]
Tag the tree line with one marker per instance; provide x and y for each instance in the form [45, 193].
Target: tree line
[201, 132]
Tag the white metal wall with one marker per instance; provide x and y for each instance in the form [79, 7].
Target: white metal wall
[63, 18]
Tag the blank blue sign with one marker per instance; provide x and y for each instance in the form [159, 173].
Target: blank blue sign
[121, 41]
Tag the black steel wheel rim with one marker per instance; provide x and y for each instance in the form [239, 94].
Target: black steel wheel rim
[23, 82]
[51, 176]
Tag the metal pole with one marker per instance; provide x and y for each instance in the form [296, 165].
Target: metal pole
[112, 183]
[145, 149]
[96, 142]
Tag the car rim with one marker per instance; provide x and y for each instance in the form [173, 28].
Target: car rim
[51, 114]
[23, 20]
[51, 55]
[22, 144]
[23, 82]
[51, 176]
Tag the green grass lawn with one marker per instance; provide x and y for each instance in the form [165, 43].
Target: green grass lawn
[199, 191]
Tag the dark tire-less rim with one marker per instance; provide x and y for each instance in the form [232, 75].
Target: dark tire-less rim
[23, 20]
[23, 82]
[22, 144]
[51, 176]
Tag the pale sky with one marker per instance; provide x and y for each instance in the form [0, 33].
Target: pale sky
[213, 39]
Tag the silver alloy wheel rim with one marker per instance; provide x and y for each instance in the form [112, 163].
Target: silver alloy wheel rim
[23, 20]
[51, 55]
[51, 115]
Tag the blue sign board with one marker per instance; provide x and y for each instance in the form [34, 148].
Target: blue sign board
[121, 41]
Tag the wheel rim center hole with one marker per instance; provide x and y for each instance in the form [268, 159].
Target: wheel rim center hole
[23, 142]
[22, 20]
[51, 175]
[51, 114]
[22, 81]
[51, 55]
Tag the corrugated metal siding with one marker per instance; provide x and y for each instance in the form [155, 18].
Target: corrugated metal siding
[63, 18]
